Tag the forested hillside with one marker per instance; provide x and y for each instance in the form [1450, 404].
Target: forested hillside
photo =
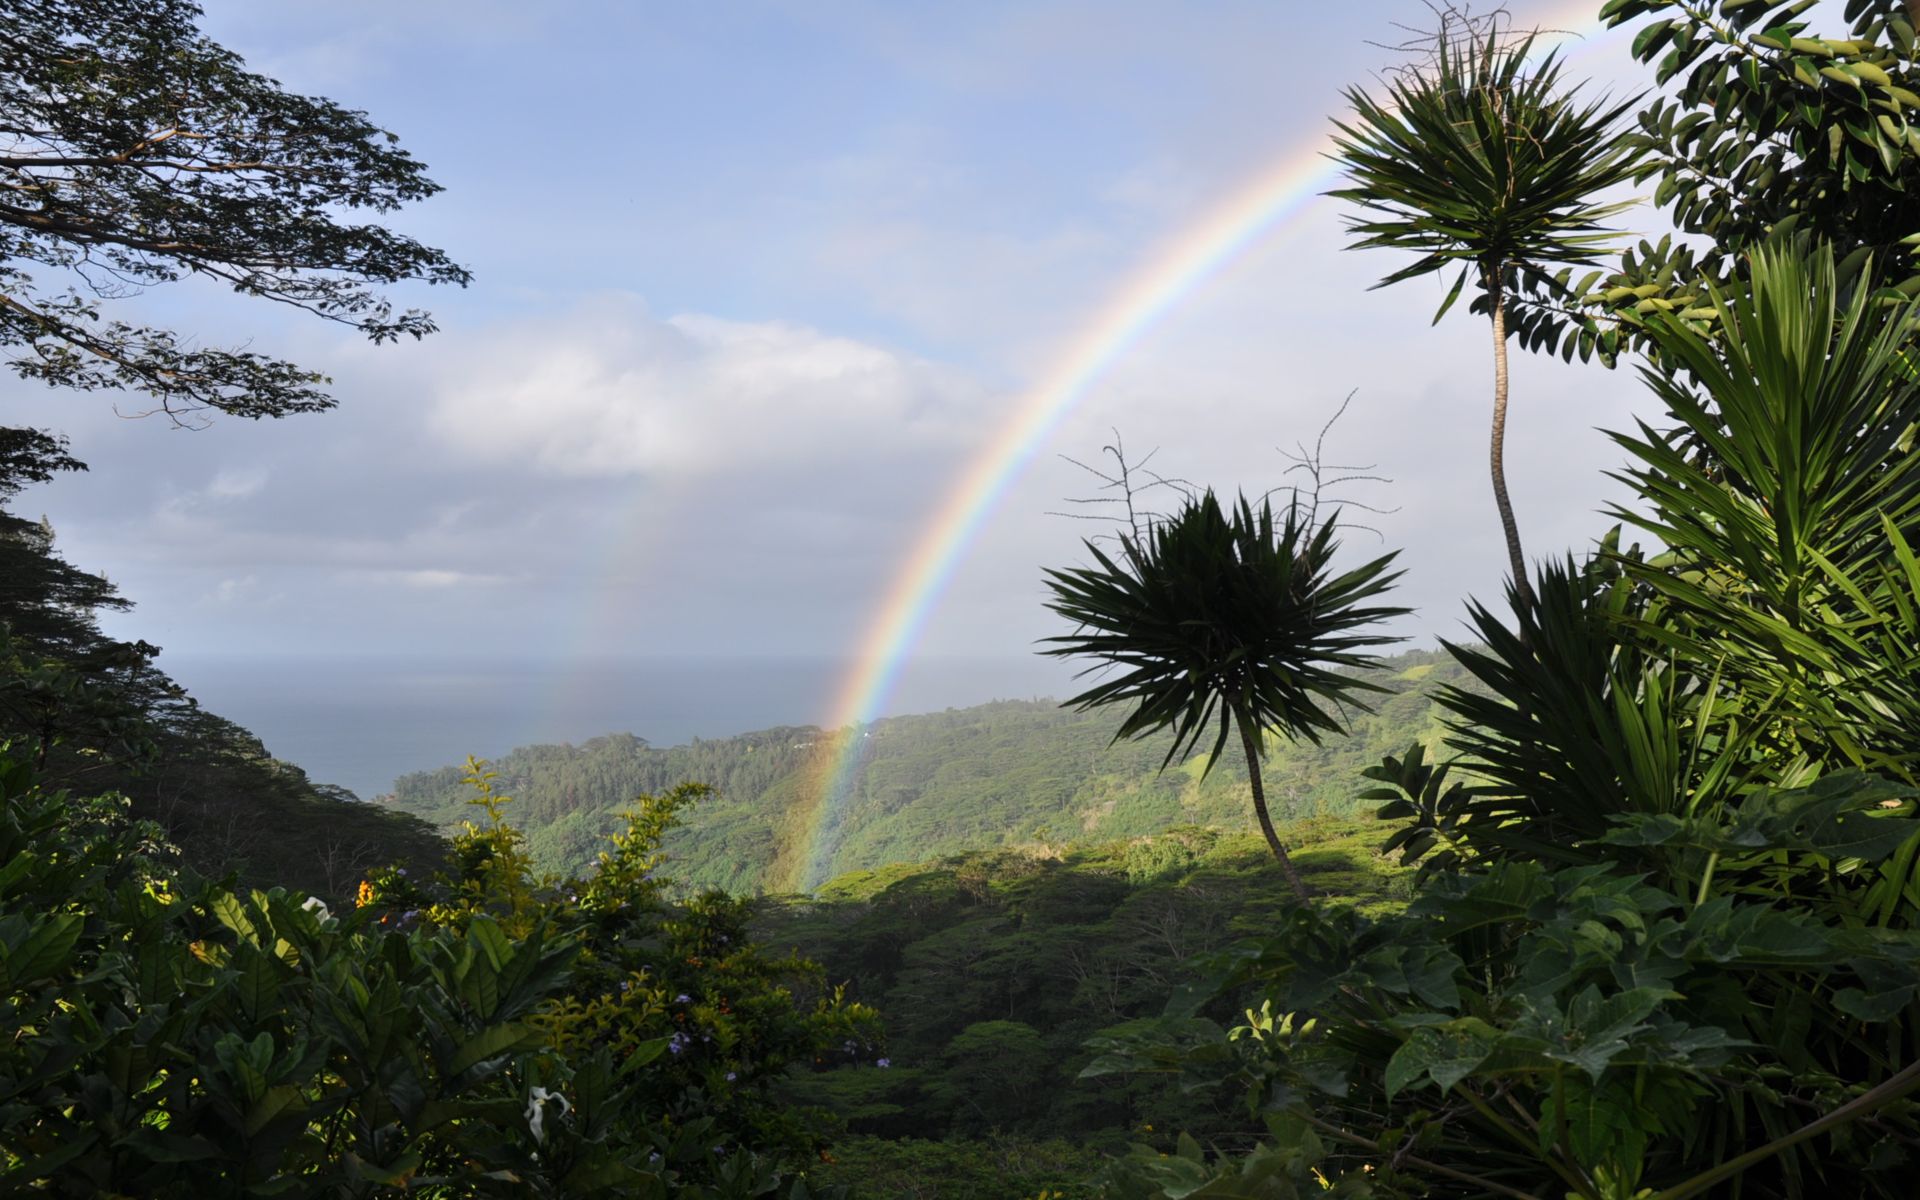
[1001, 774]
[97, 714]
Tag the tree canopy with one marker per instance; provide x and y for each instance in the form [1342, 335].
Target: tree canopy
[136, 152]
[1762, 125]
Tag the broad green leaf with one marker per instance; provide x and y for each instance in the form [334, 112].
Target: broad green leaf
[278, 1101]
[258, 983]
[1447, 1054]
[397, 1173]
[234, 913]
[45, 950]
[492, 1042]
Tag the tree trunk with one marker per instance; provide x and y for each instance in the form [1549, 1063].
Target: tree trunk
[1252, 748]
[1497, 455]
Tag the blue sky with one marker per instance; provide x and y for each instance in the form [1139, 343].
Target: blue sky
[753, 282]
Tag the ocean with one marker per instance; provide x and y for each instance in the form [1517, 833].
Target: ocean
[361, 723]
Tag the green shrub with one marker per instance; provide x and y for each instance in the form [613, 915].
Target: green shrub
[1582, 1031]
[501, 1035]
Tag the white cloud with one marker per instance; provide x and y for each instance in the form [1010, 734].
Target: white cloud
[435, 578]
[233, 590]
[612, 390]
[236, 484]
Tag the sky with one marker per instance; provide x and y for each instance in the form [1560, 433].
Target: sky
[754, 283]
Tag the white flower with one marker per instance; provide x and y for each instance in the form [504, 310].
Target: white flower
[315, 904]
[537, 1111]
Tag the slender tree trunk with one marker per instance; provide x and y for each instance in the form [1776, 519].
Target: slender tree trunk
[1252, 748]
[1497, 455]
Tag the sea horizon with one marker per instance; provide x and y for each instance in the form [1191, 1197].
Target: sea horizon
[363, 722]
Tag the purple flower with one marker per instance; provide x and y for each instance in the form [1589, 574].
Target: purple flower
[884, 1063]
[731, 1077]
[682, 998]
[679, 1042]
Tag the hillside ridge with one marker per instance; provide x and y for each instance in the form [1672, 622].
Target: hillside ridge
[925, 785]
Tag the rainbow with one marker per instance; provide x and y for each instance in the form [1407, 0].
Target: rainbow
[1253, 213]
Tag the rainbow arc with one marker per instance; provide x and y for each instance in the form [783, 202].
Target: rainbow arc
[1251, 216]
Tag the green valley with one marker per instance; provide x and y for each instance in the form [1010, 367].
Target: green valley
[1012, 773]
[996, 974]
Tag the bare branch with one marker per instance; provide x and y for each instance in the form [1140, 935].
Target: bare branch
[1457, 27]
[1314, 465]
[1128, 485]
[1126, 482]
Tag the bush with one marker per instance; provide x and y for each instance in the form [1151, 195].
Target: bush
[500, 1035]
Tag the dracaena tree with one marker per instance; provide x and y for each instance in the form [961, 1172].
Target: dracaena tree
[1482, 161]
[1225, 620]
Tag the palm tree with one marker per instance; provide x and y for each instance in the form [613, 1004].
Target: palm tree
[1476, 161]
[1225, 619]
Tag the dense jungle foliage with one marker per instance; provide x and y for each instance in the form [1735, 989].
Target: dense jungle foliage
[992, 970]
[481, 1032]
[1647, 927]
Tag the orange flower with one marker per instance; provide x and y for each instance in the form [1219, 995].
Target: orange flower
[365, 896]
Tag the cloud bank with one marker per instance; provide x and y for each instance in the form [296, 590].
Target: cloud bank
[610, 389]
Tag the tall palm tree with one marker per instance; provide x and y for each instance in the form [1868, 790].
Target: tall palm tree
[1475, 160]
[1231, 620]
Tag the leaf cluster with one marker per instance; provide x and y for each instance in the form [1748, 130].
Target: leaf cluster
[1765, 129]
[1540, 1030]
[1486, 161]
